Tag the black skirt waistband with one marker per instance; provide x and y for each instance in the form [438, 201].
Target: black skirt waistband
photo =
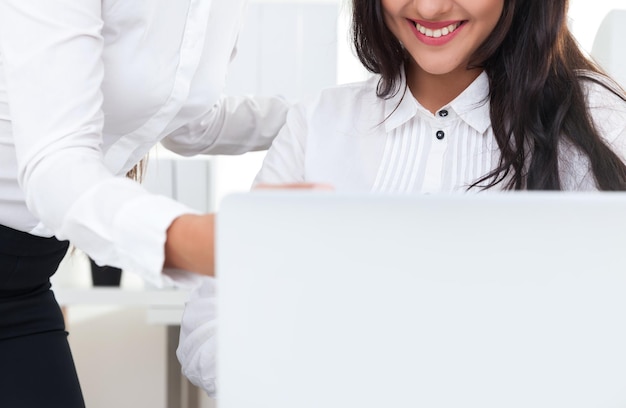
[26, 261]
[27, 306]
[18, 243]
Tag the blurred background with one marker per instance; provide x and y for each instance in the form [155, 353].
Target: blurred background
[123, 338]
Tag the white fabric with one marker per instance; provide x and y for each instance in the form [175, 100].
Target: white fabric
[358, 143]
[197, 344]
[87, 88]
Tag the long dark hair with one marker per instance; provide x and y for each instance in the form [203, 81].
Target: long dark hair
[536, 71]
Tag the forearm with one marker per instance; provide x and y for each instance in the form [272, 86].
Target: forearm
[190, 244]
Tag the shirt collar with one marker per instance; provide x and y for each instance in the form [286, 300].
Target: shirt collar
[472, 105]
[401, 107]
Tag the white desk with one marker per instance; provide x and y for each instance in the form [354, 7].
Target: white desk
[165, 307]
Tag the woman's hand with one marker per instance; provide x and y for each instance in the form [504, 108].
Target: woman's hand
[190, 244]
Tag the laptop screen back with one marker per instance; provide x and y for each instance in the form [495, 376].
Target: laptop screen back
[492, 300]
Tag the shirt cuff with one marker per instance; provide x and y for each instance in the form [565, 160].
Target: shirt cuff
[142, 228]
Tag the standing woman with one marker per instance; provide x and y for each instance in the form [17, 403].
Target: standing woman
[87, 88]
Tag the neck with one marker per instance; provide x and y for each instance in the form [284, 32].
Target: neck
[435, 91]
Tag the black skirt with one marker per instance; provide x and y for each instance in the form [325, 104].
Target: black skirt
[36, 365]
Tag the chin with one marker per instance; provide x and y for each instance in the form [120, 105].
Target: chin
[440, 66]
[437, 69]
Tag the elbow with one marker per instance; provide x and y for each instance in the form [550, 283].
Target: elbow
[52, 183]
[179, 147]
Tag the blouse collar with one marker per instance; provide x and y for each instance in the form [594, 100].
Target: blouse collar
[472, 106]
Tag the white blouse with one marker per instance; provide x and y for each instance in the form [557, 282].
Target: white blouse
[357, 142]
[87, 88]
[351, 139]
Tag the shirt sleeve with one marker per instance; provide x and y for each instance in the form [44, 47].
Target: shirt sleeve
[285, 160]
[51, 52]
[608, 113]
[235, 125]
[197, 346]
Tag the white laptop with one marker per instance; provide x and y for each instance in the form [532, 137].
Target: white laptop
[359, 301]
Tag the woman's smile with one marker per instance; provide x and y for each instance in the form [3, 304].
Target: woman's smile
[435, 33]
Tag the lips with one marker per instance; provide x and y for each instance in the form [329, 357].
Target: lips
[436, 33]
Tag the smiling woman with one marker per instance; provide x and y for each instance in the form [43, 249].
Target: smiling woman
[530, 60]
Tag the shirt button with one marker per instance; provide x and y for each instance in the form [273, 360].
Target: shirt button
[440, 134]
[443, 113]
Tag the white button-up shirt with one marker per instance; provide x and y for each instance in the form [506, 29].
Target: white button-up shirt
[350, 138]
[358, 142]
[87, 88]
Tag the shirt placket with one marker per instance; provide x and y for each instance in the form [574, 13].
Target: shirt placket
[439, 130]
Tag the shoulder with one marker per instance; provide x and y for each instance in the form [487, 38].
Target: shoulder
[607, 105]
[603, 95]
[362, 89]
[347, 99]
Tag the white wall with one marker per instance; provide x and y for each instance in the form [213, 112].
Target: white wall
[586, 16]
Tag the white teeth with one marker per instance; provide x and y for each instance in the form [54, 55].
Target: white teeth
[442, 32]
